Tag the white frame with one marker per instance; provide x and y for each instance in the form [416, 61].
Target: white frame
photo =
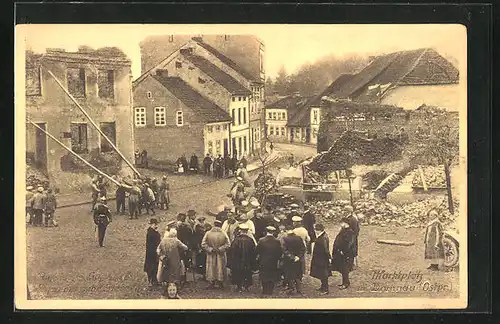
[136, 113]
[181, 114]
[157, 112]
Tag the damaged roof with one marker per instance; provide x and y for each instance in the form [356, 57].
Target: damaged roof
[201, 106]
[416, 67]
[219, 76]
[226, 60]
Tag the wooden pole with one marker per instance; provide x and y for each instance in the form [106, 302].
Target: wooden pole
[448, 187]
[78, 156]
[350, 189]
[93, 123]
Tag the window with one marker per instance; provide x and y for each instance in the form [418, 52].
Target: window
[210, 129]
[140, 116]
[225, 127]
[269, 116]
[239, 116]
[271, 130]
[218, 146]
[109, 129]
[210, 147]
[283, 115]
[160, 116]
[244, 115]
[244, 98]
[106, 84]
[149, 94]
[33, 81]
[244, 143]
[217, 128]
[180, 118]
[239, 146]
[274, 115]
[234, 117]
[170, 38]
[79, 137]
[76, 82]
[282, 131]
[315, 116]
[178, 65]
[234, 99]
[239, 98]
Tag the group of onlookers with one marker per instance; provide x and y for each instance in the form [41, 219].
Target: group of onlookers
[223, 166]
[40, 206]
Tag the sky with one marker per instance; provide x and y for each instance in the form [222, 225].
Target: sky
[285, 45]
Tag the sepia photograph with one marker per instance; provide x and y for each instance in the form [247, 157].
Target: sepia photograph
[241, 166]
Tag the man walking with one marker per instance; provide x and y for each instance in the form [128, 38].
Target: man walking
[320, 263]
[102, 218]
[215, 243]
[153, 239]
[268, 255]
[242, 259]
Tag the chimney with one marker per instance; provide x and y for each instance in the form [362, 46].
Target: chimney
[162, 73]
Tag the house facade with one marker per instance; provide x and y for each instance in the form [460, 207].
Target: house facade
[278, 114]
[172, 119]
[100, 80]
[238, 56]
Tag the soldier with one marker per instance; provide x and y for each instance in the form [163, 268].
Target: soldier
[102, 217]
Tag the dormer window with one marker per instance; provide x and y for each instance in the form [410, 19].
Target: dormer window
[149, 94]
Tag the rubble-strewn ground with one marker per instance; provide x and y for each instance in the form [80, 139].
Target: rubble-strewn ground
[65, 262]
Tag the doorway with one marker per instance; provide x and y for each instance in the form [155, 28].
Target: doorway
[308, 135]
[226, 147]
[41, 146]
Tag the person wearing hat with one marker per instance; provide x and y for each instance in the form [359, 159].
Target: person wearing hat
[268, 255]
[29, 210]
[216, 243]
[320, 262]
[102, 218]
[153, 239]
[260, 224]
[50, 205]
[200, 229]
[342, 253]
[308, 220]
[193, 163]
[238, 191]
[300, 230]
[230, 225]
[223, 214]
[207, 163]
[242, 258]
[354, 225]
[37, 205]
[164, 193]
[170, 268]
[243, 220]
[294, 251]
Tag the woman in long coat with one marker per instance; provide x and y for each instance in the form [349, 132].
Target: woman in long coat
[320, 263]
[170, 268]
[434, 249]
[342, 252]
[215, 243]
[153, 239]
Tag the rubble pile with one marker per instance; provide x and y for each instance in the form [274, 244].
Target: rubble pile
[377, 212]
[265, 184]
[35, 177]
[434, 177]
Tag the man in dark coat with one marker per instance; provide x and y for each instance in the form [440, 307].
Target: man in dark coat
[308, 220]
[199, 232]
[120, 200]
[342, 252]
[220, 166]
[102, 217]
[320, 263]
[153, 239]
[354, 225]
[260, 224]
[144, 158]
[268, 255]
[223, 215]
[184, 163]
[243, 252]
[207, 163]
[234, 163]
[294, 259]
[227, 165]
[193, 163]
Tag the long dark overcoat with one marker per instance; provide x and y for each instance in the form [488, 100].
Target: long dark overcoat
[242, 258]
[153, 239]
[354, 225]
[342, 252]
[309, 220]
[293, 246]
[269, 253]
[320, 262]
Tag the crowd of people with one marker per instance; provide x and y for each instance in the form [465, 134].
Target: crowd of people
[40, 206]
[223, 166]
[246, 239]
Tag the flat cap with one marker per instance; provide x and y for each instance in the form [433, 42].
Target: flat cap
[296, 219]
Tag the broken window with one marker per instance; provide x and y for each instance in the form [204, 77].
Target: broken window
[76, 82]
[106, 84]
[33, 81]
[109, 129]
[160, 116]
[140, 116]
[79, 138]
